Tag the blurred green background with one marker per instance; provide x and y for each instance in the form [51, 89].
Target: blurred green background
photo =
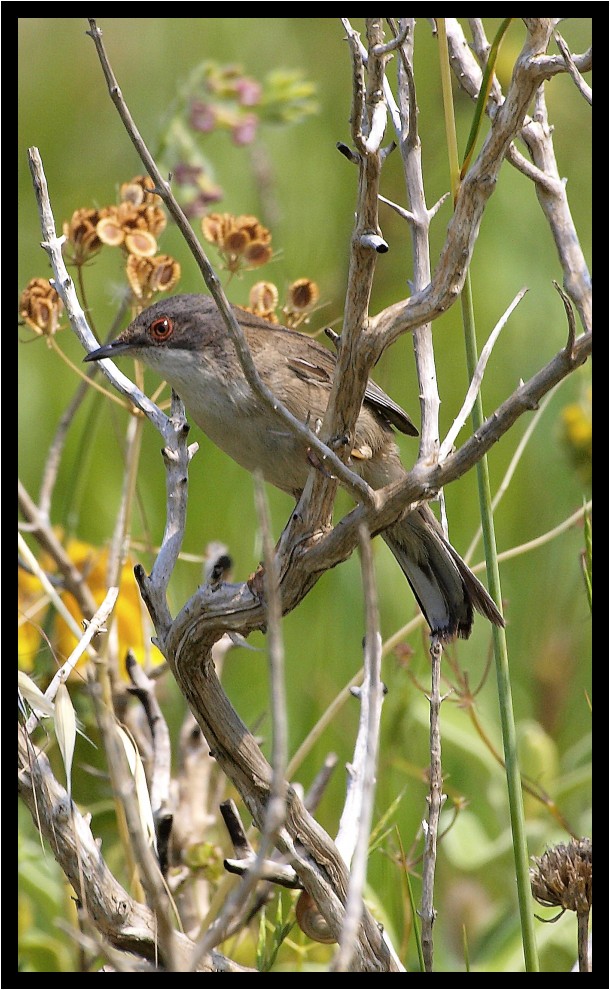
[293, 178]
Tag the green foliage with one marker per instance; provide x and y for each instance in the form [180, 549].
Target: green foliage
[287, 97]
[479, 114]
[587, 559]
[43, 899]
[271, 935]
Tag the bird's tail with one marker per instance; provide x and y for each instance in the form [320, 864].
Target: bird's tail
[445, 588]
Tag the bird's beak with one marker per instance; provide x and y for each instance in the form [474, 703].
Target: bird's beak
[114, 349]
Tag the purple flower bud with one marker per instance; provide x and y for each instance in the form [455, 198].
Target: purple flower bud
[202, 116]
[185, 174]
[197, 207]
[244, 131]
[248, 91]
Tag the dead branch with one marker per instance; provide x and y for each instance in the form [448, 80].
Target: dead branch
[125, 923]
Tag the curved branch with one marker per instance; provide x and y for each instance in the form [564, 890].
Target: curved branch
[311, 852]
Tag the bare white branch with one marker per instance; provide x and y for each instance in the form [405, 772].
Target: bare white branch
[355, 826]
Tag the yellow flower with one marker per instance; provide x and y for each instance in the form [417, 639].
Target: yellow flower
[577, 433]
[31, 609]
[133, 627]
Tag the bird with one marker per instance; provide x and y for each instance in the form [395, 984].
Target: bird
[185, 339]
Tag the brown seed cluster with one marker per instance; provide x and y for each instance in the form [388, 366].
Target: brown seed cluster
[243, 243]
[40, 307]
[562, 876]
[134, 225]
[301, 298]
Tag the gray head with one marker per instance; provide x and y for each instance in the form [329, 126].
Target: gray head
[180, 323]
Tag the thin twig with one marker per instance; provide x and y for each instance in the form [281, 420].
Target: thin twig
[57, 444]
[358, 809]
[160, 769]
[420, 217]
[65, 287]
[581, 85]
[435, 799]
[537, 134]
[584, 961]
[276, 808]
[41, 529]
[355, 357]
[150, 874]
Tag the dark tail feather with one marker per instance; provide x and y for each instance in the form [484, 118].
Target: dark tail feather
[445, 588]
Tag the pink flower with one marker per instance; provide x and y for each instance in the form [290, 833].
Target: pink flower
[244, 131]
[202, 116]
[248, 91]
[186, 174]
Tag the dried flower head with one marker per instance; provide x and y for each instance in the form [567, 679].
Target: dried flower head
[133, 227]
[81, 235]
[149, 275]
[41, 307]
[303, 295]
[242, 242]
[263, 299]
[140, 191]
[562, 876]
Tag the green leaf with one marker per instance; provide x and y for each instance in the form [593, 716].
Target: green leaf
[482, 98]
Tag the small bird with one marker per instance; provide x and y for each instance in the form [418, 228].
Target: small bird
[185, 340]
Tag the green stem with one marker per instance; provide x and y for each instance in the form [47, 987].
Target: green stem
[483, 96]
[509, 736]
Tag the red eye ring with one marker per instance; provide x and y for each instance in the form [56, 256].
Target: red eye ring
[162, 328]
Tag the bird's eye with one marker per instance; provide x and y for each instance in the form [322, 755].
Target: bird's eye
[161, 328]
